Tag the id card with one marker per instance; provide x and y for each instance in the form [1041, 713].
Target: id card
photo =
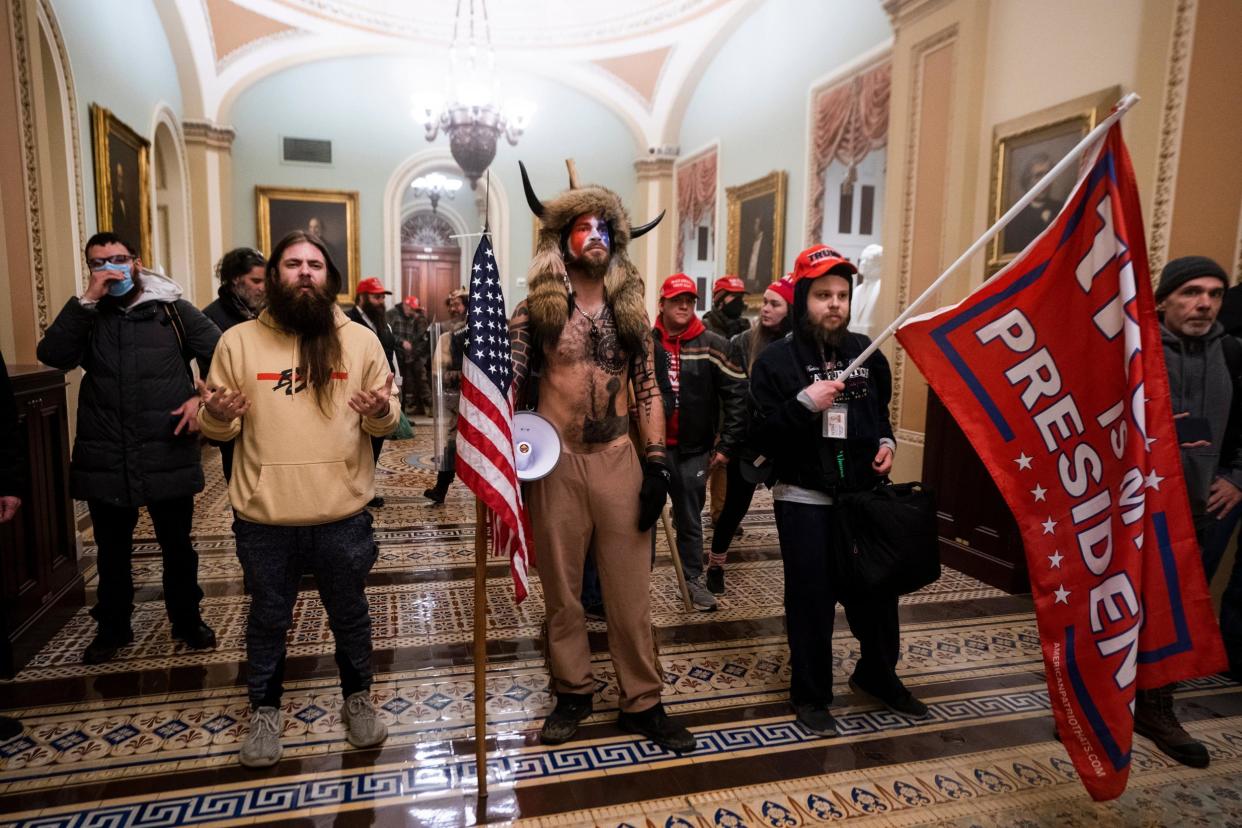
[836, 422]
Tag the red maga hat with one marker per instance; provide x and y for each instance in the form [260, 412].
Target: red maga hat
[783, 287]
[818, 260]
[411, 302]
[676, 285]
[728, 284]
[372, 285]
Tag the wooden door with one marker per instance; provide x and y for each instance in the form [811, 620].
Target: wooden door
[431, 273]
[978, 534]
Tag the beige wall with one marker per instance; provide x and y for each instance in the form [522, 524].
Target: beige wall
[1000, 60]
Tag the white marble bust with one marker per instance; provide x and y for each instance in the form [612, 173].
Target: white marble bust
[866, 291]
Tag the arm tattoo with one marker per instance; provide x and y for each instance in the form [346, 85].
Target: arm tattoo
[520, 345]
[650, 403]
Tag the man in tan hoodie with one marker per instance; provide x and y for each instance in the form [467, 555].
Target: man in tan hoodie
[302, 390]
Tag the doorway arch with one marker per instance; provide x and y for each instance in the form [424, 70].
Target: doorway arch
[429, 160]
[171, 242]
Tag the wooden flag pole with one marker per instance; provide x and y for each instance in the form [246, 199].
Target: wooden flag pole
[672, 550]
[480, 653]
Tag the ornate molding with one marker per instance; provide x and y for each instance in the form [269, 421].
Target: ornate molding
[208, 134]
[48, 15]
[427, 229]
[920, 52]
[905, 435]
[656, 166]
[30, 162]
[1174, 114]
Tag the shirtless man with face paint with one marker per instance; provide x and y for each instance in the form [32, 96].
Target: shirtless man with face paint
[582, 336]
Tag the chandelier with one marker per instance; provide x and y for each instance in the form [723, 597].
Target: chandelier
[434, 186]
[472, 112]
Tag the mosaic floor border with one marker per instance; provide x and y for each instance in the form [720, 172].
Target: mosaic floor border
[1031, 785]
[70, 745]
[431, 778]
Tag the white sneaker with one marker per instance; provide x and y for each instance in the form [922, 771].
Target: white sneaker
[262, 746]
[363, 726]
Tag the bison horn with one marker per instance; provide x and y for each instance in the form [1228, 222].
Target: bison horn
[643, 228]
[536, 206]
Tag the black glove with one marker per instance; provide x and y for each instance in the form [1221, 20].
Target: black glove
[656, 478]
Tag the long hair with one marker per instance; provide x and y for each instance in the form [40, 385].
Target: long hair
[762, 337]
[320, 348]
[235, 264]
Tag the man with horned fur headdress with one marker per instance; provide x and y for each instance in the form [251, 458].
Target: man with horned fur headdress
[584, 335]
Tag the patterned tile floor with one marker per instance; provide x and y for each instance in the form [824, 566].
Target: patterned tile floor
[151, 738]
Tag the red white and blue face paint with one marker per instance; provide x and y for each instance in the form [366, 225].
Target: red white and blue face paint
[588, 232]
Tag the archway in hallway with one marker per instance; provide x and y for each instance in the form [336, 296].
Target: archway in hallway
[431, 259]
[171, 246]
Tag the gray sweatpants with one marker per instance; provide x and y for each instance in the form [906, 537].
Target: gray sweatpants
[688, 492]
[339, 555]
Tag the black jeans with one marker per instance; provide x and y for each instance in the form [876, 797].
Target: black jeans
[339, 555]
[226, 460]
[810, 610]
[738, 495]
[114, 533]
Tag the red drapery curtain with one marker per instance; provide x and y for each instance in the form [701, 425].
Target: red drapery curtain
[850, 121]
[696, 196]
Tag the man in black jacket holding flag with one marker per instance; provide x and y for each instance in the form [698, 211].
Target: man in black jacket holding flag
[826, 437]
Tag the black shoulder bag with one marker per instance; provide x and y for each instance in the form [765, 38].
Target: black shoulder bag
[886, 541]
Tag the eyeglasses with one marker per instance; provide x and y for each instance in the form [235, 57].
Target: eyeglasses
[118, 259]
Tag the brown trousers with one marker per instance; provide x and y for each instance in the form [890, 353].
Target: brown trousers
[590, 503]
[716, 487]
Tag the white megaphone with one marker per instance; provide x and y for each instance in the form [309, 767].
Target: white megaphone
[536, 446]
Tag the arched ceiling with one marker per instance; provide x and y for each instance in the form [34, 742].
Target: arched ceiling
[640, 58]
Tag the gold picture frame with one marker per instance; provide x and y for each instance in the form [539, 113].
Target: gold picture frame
[122, 160]
[757, 219]
[1022, 150]
[281, 210]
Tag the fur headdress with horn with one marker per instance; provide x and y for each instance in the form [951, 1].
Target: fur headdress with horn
[548, 297]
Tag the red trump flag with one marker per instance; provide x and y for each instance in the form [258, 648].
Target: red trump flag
[1054, 370]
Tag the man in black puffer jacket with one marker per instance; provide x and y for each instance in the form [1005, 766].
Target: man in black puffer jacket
[826, 437]
[137, 441]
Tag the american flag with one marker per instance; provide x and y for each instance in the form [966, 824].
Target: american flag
[485, 418]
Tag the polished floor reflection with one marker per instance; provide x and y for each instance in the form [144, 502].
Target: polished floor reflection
[151, 738]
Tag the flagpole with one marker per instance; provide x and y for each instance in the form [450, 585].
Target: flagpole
[480, 653]
[1094, 135]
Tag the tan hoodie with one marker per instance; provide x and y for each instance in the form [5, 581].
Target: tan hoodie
[292, 465]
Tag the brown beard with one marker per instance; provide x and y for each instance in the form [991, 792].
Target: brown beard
[312, 318]
[828, 340]
[376, 315]
[587, 267]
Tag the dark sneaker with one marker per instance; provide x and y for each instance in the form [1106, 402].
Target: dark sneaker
[700, 598]
[436, 496]
[899, 701]
[656, 725]
[595, 612]
[9, 728]
[106, 645]
[562, 723]
[197, 635]
[1155, 719]
[816, 719]
[715, 580]
[376, 502]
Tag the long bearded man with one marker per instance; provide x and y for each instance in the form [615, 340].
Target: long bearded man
[584, 334]
[302, 390]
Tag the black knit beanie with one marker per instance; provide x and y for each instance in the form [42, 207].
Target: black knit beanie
[1180, 271]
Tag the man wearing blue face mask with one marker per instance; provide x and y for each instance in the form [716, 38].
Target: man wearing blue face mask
[137, 442]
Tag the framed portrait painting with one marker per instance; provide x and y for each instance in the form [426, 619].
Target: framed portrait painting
[332, 215]
[122, 161]
[1023, 150]
[756, 246]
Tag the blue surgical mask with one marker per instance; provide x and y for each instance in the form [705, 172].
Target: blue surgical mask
[126, 284]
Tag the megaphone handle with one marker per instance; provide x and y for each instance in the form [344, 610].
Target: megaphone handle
[672, 548]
